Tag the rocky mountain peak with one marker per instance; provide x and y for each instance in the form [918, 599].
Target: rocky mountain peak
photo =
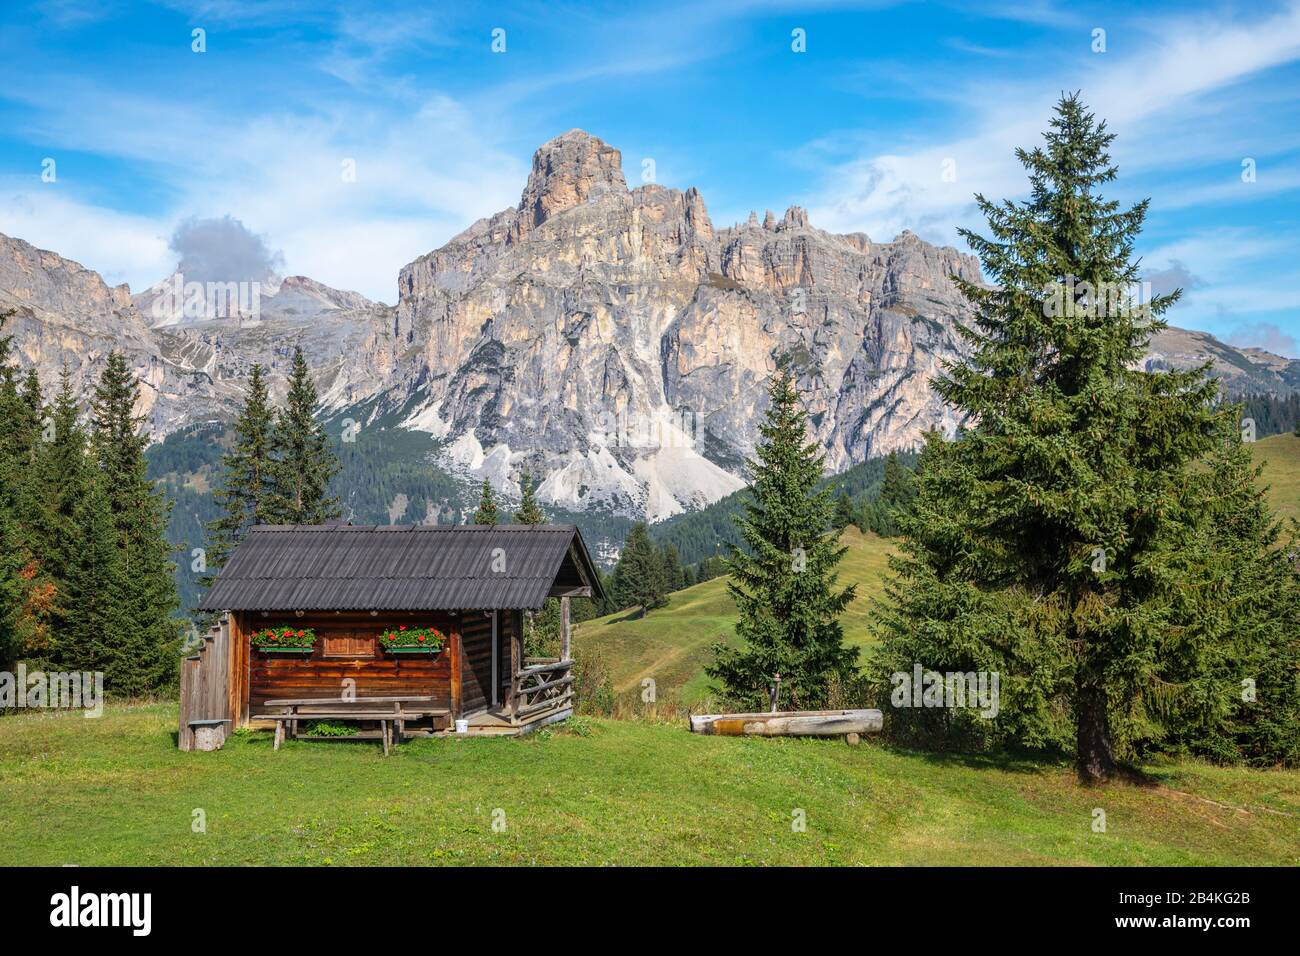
[44, 279]
[567, 171]
[796, 217]
[324, 296]
[620, 354]
[697, 216]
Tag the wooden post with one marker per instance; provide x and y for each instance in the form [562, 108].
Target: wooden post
[564, 629]
[455, 667]
[242, 631]
[496, 660]
[230, 705]
[185, 738]
[237, 673]
[516, 640]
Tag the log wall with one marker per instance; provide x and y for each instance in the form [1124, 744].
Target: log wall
[354, 638]
[476, 661]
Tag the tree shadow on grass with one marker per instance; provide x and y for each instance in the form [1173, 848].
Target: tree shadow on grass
[1025, 762]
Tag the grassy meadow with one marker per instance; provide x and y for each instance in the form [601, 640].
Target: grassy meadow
[1281, 457]
[116, 791]
[671, 644]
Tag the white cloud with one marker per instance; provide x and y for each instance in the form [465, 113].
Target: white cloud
[1218, 255]
[1226, 274]
[419, 179]
[1173, 65]
[1277, 294]
[120, 247]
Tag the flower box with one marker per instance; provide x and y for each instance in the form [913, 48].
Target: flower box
[413, 640]
[283, 639]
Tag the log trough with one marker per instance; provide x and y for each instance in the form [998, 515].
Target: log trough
[850, 724]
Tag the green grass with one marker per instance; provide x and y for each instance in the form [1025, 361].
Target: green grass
[671, 644]
[1281, 457]
[116, 791]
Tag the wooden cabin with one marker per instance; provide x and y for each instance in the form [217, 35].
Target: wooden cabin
[352, 584]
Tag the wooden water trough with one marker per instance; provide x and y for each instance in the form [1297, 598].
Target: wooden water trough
[850, 724]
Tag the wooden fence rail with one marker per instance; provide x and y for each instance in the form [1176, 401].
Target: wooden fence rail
[546, 685]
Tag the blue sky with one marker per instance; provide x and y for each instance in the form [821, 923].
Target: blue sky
[145, 133]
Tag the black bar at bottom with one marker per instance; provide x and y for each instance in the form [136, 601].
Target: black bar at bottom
[336, 905]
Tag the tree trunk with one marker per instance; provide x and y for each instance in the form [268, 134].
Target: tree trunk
[1096, 758]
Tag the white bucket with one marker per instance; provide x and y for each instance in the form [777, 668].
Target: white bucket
[462, 726]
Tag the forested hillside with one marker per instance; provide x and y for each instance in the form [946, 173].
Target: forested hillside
[699, 535]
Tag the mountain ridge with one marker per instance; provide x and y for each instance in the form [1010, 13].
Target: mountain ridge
[610, 341]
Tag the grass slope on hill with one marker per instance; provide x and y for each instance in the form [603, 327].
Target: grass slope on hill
[115, 791]
[1281, 457]
[671, 644]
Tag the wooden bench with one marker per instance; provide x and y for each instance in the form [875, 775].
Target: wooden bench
[391, 713]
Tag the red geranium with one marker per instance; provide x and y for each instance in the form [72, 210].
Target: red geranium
[284, 636]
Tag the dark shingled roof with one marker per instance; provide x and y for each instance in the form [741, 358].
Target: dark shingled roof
[401, 568]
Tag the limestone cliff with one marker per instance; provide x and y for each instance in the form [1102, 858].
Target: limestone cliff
[614, 342]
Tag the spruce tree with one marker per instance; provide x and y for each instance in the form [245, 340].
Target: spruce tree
[1048, 543]
[671, 563]
[1231, 691]
[58, 488]
[529, 511]
[31, 409]
[640, 572]
[100, 603]
[12, 587]
[616, 594]
[139, 653]
[897, 488]
[246, 493]
[304, 464]
[13, 592]
[844, 512]
[785, 583]
[21, 631]
[487, 505]
[15, 436]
